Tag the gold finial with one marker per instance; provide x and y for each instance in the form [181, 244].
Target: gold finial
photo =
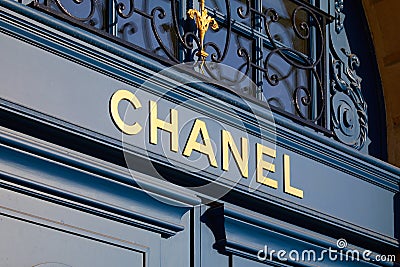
[203, 21]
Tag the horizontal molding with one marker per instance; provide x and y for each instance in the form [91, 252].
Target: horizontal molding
[69, 229]
[63, 161]
[256, 231]
[298, 232]
[336, 155]
[95, 166]
[58, 196]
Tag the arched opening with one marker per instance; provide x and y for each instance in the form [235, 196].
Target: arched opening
[382, 19]
[361, 44]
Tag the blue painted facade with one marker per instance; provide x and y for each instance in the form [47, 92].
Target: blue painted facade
[68, 198]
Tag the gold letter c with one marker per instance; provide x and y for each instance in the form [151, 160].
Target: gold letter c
[117, 97]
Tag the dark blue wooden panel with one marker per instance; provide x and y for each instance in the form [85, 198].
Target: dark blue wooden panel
[37, 232]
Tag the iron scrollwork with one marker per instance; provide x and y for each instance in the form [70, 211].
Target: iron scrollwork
[125, 15]
[349, 117]
[339, 16]
[302, 95]
[165, 20]
[349, 109]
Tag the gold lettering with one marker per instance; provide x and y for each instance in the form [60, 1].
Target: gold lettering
[171, 127]
[199, 127]
[263, 165]
[242, 161]
[286, 181]
[116, 98]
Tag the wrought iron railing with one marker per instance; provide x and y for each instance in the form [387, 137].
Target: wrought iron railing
[281, 44]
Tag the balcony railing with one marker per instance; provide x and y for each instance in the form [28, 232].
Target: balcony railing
[282, 45]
